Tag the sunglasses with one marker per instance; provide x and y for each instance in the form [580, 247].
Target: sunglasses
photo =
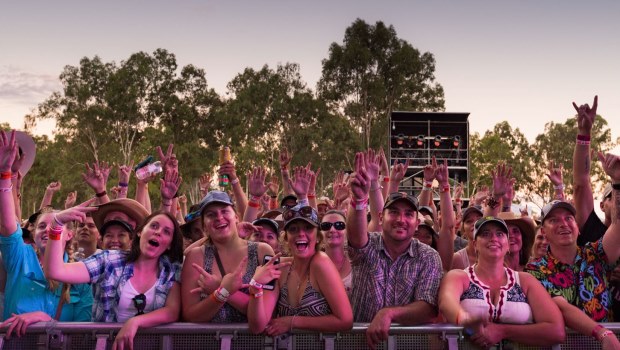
[139, 301]
[338, 225]
[191, 216]
[303, 212]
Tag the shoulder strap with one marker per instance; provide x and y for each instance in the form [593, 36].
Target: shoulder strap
[220, 266]
[61, 302]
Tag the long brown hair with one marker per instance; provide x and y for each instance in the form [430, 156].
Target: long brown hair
[175, 253]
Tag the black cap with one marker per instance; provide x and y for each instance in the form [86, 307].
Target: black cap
[549, 207]
[487, 219]
[120, 223]
[269, 222]
[289, 197]
[399, 196]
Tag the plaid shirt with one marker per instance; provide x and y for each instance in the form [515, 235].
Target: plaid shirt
[109, 271]
[584, 283]
[380, 282]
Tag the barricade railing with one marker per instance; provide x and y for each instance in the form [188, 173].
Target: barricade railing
[193, 336]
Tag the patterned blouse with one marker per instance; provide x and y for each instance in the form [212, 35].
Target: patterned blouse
[584, 283]
[512, 306]
[312, 303]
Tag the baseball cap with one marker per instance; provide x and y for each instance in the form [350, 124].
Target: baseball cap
[487, 219]
[549, 207]
[399, 196]
[215, 197]
[298, 212]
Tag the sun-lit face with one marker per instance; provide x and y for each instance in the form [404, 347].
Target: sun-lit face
[333, 236]
[219, 221]
[301, 238]
[560, 228]
[491, 239]
[116, 237]
[156, 236]
[40, 231]
[399, 222]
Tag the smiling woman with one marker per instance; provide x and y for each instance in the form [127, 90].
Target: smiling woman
[139, 287]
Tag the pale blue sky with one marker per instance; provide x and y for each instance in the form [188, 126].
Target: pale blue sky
[521, 61]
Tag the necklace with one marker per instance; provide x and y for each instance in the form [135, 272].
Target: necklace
[304, 277]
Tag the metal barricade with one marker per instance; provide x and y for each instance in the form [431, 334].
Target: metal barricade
[193, 336]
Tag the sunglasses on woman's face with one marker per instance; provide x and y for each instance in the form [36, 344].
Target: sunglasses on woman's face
[338, 225]
[139, 301]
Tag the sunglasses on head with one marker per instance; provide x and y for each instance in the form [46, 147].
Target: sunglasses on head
[139, 301]
[303, 212]
[338, 225]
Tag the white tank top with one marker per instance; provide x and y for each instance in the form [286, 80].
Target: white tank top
[126, 307]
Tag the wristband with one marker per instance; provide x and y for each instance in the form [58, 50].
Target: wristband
[254, 198]
[235, 181]
[215, 298]
[559, 187]
[58, 223]
[428, 184]
[445, 189]
[255, 284]
[54, 234]
[458, 200]
[253, 204]
[605, 335]
[6, 189]
[221, 294]
[311, 195]
[123, 184]
[360, 205]
[616, 187]
[583, 137]
[257, 294]
[101, 194]
[583, 143]
[5, 175]
[386, 179]
[376, 189]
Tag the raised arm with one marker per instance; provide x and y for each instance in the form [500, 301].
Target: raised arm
[582, 186]
[447, 231]
[385, 174]
[357, 229]
[300, 184]
[501, 183]
[53, 265]
[397, 175]
[241, 201]
[169, 186]
[557, 180]
[611, 238]
[426, 195]
[285, 160]
[8, 152]
[124, 173]
[312, 188]
[50, 190]
[97, 179]
[375, 197]
[257, 188]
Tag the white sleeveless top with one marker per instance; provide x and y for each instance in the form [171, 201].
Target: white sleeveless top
[512, 306]
[126, 307]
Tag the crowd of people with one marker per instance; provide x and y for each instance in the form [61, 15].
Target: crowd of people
[279, 259]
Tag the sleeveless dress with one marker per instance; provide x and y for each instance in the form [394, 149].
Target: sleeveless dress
[312, 303]
[512, 306]
[227, 313]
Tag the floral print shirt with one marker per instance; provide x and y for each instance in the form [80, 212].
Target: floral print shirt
[584, 283]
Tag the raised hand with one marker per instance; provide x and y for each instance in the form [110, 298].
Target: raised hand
[8, 151]
[170, 184]
[360, 184]
[124, 172]
[228, 168]
[441, 172]
[430, 170]
[71, 198]
[204, 183]
[480, 195]
[285, 158]
[586, 116]
[300, 183]
[313, 176]
[54, 187]
[372, 164]
[385, 169]
[17, 163]
[555, 174]
[273, 186]
[501, 179]
[398, 171]
[270, 271]
[256, 182]
[97, 176]
[611, 165]
[165, 158]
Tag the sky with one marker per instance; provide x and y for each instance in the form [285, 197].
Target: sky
[521, 61]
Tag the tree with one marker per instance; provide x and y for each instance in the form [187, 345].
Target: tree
[374, 73]
[502, 144]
